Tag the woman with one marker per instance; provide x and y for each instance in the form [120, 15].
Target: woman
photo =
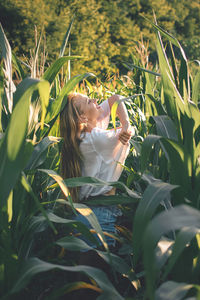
[89, 149]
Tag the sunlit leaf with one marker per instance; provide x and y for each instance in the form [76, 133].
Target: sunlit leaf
[172, 290]
[66, 37]
[14, 150]
[196, 88]
[40, 151]
[52, 71]
[165, 127]
[147, 147]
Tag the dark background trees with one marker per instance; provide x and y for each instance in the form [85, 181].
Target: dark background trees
[104, 32]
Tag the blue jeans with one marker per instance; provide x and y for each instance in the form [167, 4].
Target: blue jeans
[107, 217]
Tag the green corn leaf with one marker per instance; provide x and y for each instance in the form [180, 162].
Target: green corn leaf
[66, 38]
[131, 66]
[174, 66]
[92, 219]
[196, 88]
[183, 238]
[30, 85]
[155, 193]
[115, 106]
[81, 208]
[173, 219]
[51, 73]
[184, 79]
[28, 188]
[40, 152]
[80, 227]
[159, 108]
[17, 65]
[173, 290]
[165, 127]
[14, 150]
[75, 244]
[167, 35]
[81, 181]
[114, 113]
[147, 147]
[180, 164]
[7, 57]
[1, 96]
[34, 266]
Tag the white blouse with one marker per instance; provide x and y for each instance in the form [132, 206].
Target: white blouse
[103, 154]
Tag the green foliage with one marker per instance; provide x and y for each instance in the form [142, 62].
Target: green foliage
[104, 32]
[159, 234]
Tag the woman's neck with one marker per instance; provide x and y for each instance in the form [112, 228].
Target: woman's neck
[90, 126]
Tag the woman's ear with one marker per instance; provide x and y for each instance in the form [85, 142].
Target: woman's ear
[83, 119]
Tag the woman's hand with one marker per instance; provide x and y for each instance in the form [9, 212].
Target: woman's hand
[126, 133]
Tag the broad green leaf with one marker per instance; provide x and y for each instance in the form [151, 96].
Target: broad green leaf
[147, 147]
[131, 66]
[111, 200]
[7, 57]
[165, 127]
[10, 206]
[166, 34]
[92, 219]
[40, 151]
[155, 193]
[115, 106]
[173, 219]
[174, 65]
[66, 37]
[17, 65]
[14, 150]
[114, 113]
[58, 104]
[183, 238]
[27, 87]
[196, 88]
[51, 73]
[34, 266]
[180, 164]
[44, 90]
[81, 181]
[157, 104]
[28, 188]
[1, 96]
[184, 81]
[80, 227]
[172, 290]
[194, 114]
[81, 208]
[166, 76]
[75, 244]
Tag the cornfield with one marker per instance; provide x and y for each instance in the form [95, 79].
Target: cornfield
[158, 237]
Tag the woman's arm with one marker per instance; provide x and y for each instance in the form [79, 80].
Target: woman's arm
[126, 131]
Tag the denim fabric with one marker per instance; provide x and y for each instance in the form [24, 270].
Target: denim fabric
[107, 217]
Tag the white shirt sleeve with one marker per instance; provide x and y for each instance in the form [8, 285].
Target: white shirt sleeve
[108, 146]
[104, 119]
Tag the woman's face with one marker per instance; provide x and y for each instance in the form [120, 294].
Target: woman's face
[88, 107]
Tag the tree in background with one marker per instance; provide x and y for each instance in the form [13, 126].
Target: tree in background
[104, 32]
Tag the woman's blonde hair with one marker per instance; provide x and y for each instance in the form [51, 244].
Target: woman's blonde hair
[70, 129]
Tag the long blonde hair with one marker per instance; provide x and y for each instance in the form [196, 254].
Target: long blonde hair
[70, 129]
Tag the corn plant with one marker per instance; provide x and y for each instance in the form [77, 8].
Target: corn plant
[171, 238]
